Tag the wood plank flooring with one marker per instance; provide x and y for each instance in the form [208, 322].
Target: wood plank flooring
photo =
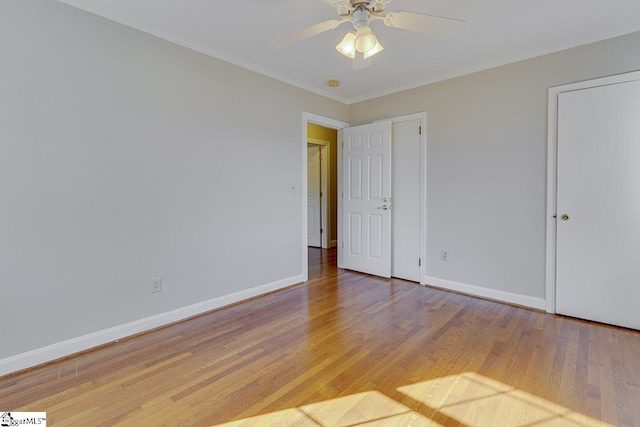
[348, 349]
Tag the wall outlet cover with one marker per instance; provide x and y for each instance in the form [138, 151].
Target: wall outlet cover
[156, 285]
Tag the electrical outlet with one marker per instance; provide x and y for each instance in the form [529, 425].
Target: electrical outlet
[444, 256]
[156, 285]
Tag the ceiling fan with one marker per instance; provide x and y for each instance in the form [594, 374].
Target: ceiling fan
[361, 44]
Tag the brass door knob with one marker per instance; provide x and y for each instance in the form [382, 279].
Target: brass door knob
[564, 217]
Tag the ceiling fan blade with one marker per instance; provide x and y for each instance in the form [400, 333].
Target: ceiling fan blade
[429, 24]
[304, 34]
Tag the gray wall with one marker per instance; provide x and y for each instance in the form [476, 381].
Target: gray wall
[123, 158]
[486, 173]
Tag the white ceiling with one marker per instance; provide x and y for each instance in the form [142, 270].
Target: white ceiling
[497, 32]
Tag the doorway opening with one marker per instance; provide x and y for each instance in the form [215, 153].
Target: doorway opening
[324, 132]
[410, 204]
[322, 186]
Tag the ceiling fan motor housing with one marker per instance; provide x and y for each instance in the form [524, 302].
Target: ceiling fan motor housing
[361, 17]
[348, 7]
[370, 5]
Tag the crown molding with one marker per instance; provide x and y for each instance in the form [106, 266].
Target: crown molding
[504, 61]
[189, 44]
[94, 8]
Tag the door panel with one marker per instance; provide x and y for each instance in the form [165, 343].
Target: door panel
[355, 181]
[598, 242]
[376, 231]
[355, 235]
[367, 160]
[376, 177]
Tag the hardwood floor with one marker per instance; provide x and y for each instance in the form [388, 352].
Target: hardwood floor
[348, 349]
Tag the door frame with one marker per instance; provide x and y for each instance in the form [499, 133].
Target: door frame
[331, 124]
[552, 173]
[325, 189]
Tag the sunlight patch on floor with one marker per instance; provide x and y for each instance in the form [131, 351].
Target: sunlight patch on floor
[478, 401]
[371, 407]
[288, 417]
[469, 399]
[362, 409]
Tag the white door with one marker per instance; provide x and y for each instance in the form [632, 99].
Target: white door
[367, 199]
[406, 200]
[314, 207]
[598, 206]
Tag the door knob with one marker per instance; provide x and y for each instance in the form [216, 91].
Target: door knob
[564, 217]
[384, 207]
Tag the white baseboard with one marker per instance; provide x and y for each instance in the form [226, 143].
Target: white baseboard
[526, 301]
[85, 342]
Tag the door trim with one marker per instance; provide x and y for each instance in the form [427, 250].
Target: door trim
[552, 173]
[328, 123]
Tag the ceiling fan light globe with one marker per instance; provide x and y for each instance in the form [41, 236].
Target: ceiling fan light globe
[365, 39]
[376, 49]
[347, 46]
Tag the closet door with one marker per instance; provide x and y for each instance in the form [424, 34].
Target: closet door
[598, 206]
